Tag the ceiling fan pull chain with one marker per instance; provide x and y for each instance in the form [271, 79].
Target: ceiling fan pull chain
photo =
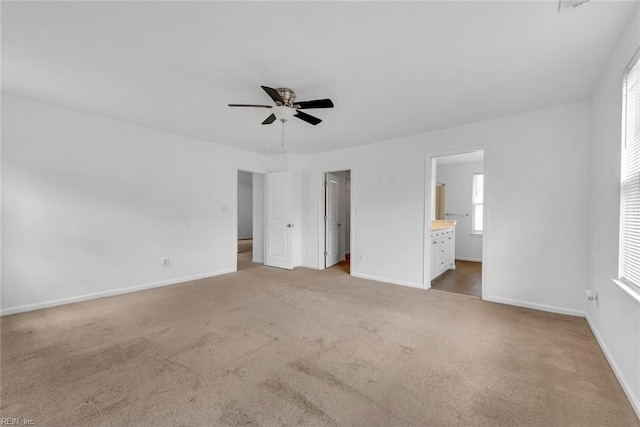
[283, 137]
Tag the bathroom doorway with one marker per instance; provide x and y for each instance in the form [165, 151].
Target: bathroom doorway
[455, 230]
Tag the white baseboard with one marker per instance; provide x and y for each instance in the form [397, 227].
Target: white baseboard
[109, 293]
[633, 399]
[469, 259]
[258, 261]
[387, 280]
[311, 266]
[535, 306]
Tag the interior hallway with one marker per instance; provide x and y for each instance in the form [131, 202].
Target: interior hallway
[245, 254]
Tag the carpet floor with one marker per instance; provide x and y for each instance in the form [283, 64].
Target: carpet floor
[270, 347]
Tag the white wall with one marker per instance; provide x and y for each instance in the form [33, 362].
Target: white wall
[245, 205]
[533, 161]
[92, 205]
[122, 197]
[616, 319]
[458, 179]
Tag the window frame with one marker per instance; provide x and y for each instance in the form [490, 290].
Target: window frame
[474, 203]
[629, 286]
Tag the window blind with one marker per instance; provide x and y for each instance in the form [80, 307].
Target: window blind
[630, 177]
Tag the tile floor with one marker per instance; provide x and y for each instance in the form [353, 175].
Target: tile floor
[465, 279]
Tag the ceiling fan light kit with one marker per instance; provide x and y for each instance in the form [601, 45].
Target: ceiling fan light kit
[282, 113]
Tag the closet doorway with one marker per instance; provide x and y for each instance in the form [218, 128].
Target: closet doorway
[336, 214]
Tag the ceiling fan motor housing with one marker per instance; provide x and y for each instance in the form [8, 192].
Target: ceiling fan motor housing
[287, 95]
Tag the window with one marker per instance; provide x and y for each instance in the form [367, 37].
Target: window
[477, 204]
[629, 271]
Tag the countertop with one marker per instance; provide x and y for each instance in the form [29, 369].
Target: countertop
[441, 225]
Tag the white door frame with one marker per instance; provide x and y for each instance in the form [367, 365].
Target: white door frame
[426, 278]
[332, 232]
[234, 243]
[352, 219]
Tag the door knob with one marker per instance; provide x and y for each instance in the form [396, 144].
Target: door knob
[289, 225]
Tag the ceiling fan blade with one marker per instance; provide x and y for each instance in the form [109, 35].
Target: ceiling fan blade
[273, 94]
[269, 119]
[307, 118]
[317, 103]
[249, 105]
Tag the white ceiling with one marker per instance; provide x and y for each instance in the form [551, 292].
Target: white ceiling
[392, 68]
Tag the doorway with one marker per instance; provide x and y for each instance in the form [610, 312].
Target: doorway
[455, 235]
[250, 219]
[336, 205]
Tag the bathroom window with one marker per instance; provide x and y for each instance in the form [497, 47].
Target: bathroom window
[477, 206]
[629, 270]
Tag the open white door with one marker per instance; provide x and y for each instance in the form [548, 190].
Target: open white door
[279, 233]
[331, 232]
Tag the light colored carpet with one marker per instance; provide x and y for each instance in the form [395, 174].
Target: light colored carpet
[270, 347]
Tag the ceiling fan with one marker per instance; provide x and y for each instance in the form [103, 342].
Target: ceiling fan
[286, 107]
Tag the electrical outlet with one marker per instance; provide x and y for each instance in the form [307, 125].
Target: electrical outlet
[165, 262]
[593, 296]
